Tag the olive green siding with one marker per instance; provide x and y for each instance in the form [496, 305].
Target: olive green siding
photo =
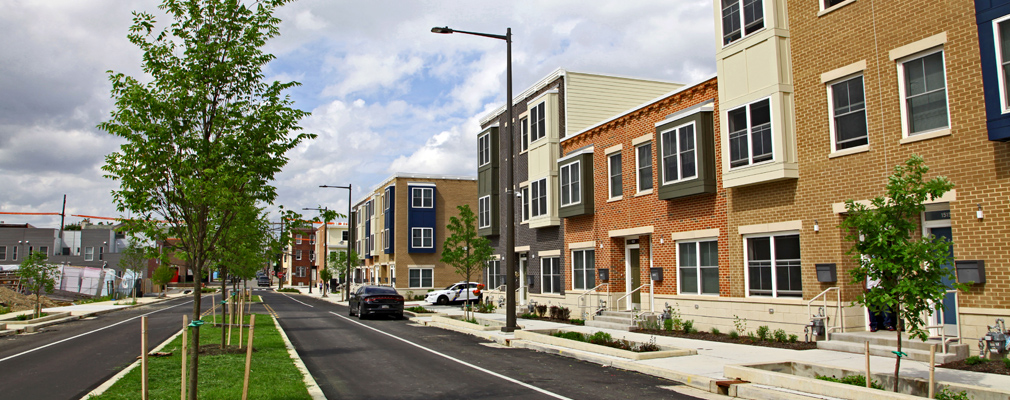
[487, 182]
[585, 207]
[705, 150]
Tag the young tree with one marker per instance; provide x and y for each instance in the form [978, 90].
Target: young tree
[37, 276]
[204, 133]
[339, 264]
[134, 258]
[888, 249]
[325, 216]
[162, 276]
[464, 249]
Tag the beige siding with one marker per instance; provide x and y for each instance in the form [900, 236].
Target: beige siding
[594, 98]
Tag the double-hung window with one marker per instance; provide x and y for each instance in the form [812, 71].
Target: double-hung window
[495, 277]
[298, 238]
[550, 272]
[848, 114]
[773, 266]
[385, 238]
[741, 18]
[643, 171]
[680, 160]
[750, 134]
[925, 93]
[44, 250]
[524, 134]
[698, 266]
[3, 253]
[298, 255]
[526, 203]
[484, 212]
[420, 277]
[422, 197]
[614, 166]
[538, 204]
[483, 149]
[583, 269]
[831, 3]
[570, 188]
[421, 238]
[1001, 29]
[538, 122]
[89, 253]
[345, 235]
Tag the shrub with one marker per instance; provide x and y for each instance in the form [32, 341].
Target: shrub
[689, 326]
[418, 309]
[668, 324]
[570, 335]
[975, 360]
[288, 290]
[762, 332]
[485, 307]
[855, 380]
[740, 324]
[650, 346]
[779, 335]
[715, 331]
[750, 335]
[4, 310]
[734, 335]
[576, 321]
[527, 316]
[541, 309]
[793, 338]
[601, 337]
[1006, 361]
[561, 313]
[650, 324]
[947, 394]
[25, 317]
[208, 290]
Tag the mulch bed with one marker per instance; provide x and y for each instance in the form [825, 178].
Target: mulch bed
[989, 367]
[549, 319]
[798, 345]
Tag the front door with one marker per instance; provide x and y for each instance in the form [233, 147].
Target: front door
[633, 270]
[522, 279]
[949, 301]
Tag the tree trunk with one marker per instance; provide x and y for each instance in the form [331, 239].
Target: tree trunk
[224, 306]
[194, 339]
[897, 361]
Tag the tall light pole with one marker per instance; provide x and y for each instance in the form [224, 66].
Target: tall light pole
[510, 230]
[347, 273]
[326, 249]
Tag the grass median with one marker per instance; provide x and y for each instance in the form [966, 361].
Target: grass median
[273, 374]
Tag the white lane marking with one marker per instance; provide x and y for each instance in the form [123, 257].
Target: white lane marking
[492, 373]
[88, 333]
[285, 295]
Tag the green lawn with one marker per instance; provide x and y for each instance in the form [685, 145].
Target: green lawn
[273, 374]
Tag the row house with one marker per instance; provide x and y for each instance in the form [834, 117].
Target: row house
[402, 223]
[552, 109]
[299, 261]
[332, 239]
[94, 245]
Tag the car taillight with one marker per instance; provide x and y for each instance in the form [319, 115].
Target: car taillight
[378, 298]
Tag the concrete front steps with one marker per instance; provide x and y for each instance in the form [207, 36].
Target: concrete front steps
[882, 343]
[620, 320]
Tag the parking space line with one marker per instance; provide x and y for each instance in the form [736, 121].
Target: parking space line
[492, 373]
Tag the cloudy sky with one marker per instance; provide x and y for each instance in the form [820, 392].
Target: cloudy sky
[386, 95]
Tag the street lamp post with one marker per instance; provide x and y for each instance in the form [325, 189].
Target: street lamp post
[347, 273]
[326, 248]
[510, 245]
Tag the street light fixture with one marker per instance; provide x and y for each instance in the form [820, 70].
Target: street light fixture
[347, 273]
[326, 231]
[510, 244]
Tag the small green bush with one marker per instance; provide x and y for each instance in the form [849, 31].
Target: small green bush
[25, 317]
[1006, 361]
[541, 309]
[793, 338]
[418, 309]
[576, 321]
[4, 310]
[288, 290]
[947, 394]
[485, 307]
[734, 335]
[689, 326]
[715, 331]
[779, 335]
[855, 380]
[528, 316]
[762, 332]
[570, 335]
[668, 324]
[975, 360]
[750, 335]
[601, 337]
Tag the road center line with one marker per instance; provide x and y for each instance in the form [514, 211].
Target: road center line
[90, 332]
[292, 298]
[492, 373]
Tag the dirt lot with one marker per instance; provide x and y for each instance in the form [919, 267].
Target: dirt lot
[20, 302]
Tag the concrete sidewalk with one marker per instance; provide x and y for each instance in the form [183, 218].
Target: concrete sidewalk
[8, 325]
[707, 367]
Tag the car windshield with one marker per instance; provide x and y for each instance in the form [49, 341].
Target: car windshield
[380, 290]
[450, 286]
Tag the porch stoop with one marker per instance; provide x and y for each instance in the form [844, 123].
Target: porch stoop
[882, 343]
[620, 320]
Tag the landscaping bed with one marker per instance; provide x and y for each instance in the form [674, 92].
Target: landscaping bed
[613, 346]
[709, 336]
[975, 364]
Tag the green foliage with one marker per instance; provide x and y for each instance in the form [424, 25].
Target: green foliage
[419, 310]
[734, 335]
[288, 290]
[570, 335]
[793, 338]
[715, 331]
[560, 313]
[946, 394]
[779, 335]
[4, 309]
[26, 317]
[975, 360]
[668, 324]
[576, 321]
[855, 380]
[463, 249]
[600, 337]
[37, 276]
[485, 307]
[93, 300]
[162, 276]
[750, 335]
[740, 324]
[689, 326]
[649, 324]
[1006, 362]
[762, 332]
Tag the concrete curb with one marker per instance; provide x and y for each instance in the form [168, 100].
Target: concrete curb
[115, 378]
[314, 391]
[29, 328]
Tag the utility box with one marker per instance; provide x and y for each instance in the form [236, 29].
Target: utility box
[603, 274]
[656, 273]
[826, 272]
[970, 271]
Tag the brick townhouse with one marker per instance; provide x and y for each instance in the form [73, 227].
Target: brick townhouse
[331, 241]
[641, 192]
[400, 227]
[553, 108]
[299, 259]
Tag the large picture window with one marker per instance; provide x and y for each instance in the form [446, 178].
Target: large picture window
[698, 264]
[614, 166]
[925, 87]
[421, 278]
[570, 188]
[421, 238]
[643, 156]
[484, 149]
[848, 114]
[679, 156]
[741, 18]
[773, 266]
[750, 134]
[484, 212]
[583, 269]
[538, 122]
[550, 272]
[495, 277]
[422, 197]
[539, 192]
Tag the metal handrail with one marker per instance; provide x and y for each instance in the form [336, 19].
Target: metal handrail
[580, 299]
[652, 308]
[839, 312]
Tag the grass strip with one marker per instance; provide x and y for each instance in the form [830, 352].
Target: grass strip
[273, 374]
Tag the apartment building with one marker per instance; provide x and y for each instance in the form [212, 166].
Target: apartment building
[399, 229]
[555, 107]
[644, 207]
[330, 241]
[94, 245]
[299, 261]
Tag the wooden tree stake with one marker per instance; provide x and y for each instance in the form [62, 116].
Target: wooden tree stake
[866, 349]
[185, 330]
[248, 358]
[143, 357]
[932, 367]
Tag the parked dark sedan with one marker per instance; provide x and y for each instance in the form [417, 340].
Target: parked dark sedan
[375, 300]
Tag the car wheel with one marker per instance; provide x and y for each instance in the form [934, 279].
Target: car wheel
[350, 310]
[442, 300]
[361, 315]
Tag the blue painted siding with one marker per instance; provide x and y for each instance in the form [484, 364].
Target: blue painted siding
[420, 217]
[390, 219]
[997, 123]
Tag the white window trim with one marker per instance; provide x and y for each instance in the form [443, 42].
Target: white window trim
[746, 264]
[547, 198]
[572, 180]
[743, 24]
[906, 135]
[675, 130]
[524, 141]
[88, 255]
[750, 133]
[638, 170]
[542, 115]
[421, 278]
[832, 8]
[480, 212]
[543, 276]
[422, 246]
[298, 255]
[481, 141]
[1004, 107]
[676, 256]
[831, 117]
[610, 175]
[422, 189]
[592, 270]
[3, 255]
[524, 202]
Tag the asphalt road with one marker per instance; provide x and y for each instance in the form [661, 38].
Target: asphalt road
[66, 361]
[382, 358]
